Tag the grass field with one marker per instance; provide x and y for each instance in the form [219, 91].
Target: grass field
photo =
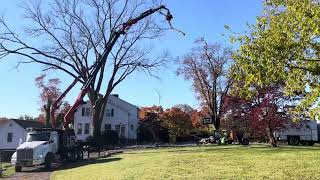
[9, 170]
[209, 162]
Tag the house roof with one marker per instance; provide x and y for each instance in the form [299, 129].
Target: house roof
[113, 98]
[28, 124]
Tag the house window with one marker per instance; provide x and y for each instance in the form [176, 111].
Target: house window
[82, 111]
[9, 137]
[107, 127]
[123, 130]
[110, 112]
[117, 128]
[86, 128]
[79, 128]
[86, 111]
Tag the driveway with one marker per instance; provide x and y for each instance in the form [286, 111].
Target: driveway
[34, 173]
[40, 173]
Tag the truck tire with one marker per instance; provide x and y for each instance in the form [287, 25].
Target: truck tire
[303, 143]
[245, 141]
[311, 143]
[72, 155]
[48, 161]
[294, 141]
[80, 154]
[18, 168]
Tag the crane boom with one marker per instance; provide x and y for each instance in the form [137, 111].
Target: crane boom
[102, 60]
[56, 104]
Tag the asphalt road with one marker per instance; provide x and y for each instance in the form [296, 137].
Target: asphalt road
[34, 173]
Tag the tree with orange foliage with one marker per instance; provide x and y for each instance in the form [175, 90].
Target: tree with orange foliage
[145, 112]
[177, 122]
[150, 119]
[196, 118]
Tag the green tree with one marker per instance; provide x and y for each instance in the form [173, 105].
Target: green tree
[283, 46]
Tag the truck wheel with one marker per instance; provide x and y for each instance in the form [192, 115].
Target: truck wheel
[18, 168]
[311, 143]
[80, 154]
[245, 141]
[48, 161]
[294, 141]
[72, 155]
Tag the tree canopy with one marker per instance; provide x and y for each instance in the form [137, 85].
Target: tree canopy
[283, 47]
[72, 36]
[206, 66]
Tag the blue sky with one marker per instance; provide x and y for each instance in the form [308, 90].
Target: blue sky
[205, 18]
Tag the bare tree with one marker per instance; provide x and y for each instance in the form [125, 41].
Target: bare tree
[206, 66]
[70, 36]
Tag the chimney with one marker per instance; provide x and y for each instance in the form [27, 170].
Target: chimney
[115, 95]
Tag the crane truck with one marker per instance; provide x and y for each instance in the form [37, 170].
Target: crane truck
[45, 145]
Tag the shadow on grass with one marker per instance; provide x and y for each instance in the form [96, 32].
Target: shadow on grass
[71, 165]
[88, 162]
[193, 149]
[260, 148]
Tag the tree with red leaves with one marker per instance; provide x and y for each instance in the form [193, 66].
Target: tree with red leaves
[49, 92]
[263, 113]
[268, 112]
[236, 110]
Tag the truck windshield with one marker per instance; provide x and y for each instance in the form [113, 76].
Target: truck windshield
[38, 137]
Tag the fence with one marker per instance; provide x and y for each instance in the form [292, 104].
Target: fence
[5, 155]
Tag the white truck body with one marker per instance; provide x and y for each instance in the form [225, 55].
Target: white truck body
[305, 131]
[34, 151]
[44, 145]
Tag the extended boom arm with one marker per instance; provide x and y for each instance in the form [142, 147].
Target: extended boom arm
[102, 60]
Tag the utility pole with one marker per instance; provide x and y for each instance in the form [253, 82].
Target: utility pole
[159, 96]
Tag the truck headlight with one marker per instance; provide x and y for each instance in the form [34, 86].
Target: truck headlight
[40, 156]
[14, 158]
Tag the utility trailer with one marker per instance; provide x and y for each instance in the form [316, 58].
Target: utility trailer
[45, 146]
[305, 132]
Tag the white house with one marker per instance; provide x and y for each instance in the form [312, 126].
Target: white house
[13, 132]
[119, 115]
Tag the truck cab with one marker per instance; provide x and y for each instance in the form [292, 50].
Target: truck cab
[39, 148]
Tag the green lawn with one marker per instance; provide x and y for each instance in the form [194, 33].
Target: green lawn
[9, 170]
[209, 162]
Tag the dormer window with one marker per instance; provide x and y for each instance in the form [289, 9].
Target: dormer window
[9, 137]
[110, 112]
